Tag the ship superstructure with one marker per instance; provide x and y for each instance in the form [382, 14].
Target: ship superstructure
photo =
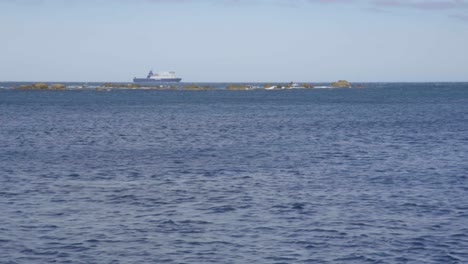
[167, 76]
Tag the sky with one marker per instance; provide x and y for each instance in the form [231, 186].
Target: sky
[235, 40]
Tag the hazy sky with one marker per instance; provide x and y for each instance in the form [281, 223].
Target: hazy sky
[234, 40]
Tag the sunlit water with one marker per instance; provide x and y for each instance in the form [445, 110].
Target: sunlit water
[374, 175]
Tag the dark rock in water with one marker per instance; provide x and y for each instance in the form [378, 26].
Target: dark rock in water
[58, 86]
[341, 83]
[40, 86]
[298, 206]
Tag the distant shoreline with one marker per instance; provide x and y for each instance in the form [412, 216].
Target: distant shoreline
[108, 86]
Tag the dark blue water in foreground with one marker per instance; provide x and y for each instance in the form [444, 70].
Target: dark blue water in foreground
[375, 175]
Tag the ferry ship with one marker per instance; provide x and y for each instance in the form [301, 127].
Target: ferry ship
[158, 77]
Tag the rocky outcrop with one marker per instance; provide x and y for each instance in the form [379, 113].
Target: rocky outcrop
[40, 86]
[238, 87]
[58, 86]
[133, 85]
[25, 87]
[121, 85]
[341, 84]
[196, 88]
[287, 86]
[161, 87]
[36, 86]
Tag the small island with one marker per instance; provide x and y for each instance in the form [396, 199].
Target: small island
[341, 84]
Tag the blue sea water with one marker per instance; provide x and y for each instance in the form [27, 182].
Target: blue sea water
[374, 175]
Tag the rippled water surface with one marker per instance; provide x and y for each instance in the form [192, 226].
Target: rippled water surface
[375, 175]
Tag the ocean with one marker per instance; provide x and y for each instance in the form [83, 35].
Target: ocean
[372, 175]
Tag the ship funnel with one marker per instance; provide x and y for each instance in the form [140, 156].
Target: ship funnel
[150, 74]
